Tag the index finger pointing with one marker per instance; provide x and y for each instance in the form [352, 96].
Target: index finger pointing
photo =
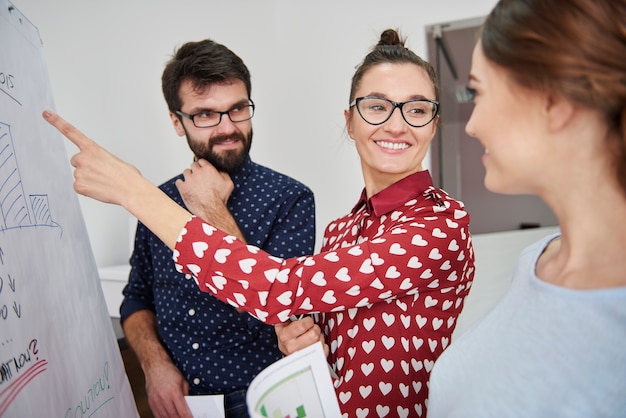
[67, 129]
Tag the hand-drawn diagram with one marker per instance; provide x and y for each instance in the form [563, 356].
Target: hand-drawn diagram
[52, 310]
[17, 210]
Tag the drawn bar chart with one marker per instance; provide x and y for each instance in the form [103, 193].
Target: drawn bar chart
[13, 204]
[17, 209]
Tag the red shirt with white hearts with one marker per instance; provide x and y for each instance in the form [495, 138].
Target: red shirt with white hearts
[394, 272]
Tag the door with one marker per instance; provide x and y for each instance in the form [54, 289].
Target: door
[455, 156]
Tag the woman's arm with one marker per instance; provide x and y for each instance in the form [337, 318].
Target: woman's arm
[427, 254]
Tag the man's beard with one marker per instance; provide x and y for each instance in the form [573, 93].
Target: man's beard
[228, 161]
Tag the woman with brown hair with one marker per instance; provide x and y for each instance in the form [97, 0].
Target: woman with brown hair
[549, 78]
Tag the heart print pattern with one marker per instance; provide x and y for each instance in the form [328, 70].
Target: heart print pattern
[388, 287]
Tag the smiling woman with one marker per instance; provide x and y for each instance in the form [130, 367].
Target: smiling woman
[392, 274]
[389, 146]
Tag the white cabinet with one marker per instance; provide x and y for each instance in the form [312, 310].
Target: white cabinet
[113, 279]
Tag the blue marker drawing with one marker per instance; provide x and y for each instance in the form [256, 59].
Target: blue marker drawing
[17, 209]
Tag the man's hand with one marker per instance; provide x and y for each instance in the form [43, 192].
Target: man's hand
[165, 385]
[296, 335]
[204, 189]
[166, 388]
[205, 192]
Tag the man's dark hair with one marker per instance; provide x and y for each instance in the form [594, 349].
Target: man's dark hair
[203, 63]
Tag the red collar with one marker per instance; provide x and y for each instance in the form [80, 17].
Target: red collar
[397, 194]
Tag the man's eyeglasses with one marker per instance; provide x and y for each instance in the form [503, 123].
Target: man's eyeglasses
[210, 118]
[376, 110]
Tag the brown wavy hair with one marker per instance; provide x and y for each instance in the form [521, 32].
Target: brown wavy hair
[576, 48]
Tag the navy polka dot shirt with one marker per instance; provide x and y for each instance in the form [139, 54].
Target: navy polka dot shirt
[218, 349]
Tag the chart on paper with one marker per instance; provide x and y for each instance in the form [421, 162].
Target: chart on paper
[299, 398]
[18, 209]
[296, 386]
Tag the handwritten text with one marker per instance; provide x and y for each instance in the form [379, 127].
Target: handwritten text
[95, 397]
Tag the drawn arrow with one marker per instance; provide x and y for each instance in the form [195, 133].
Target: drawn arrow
[17, 309]
[12, 283]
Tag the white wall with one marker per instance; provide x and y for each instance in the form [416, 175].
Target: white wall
[105, 60]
